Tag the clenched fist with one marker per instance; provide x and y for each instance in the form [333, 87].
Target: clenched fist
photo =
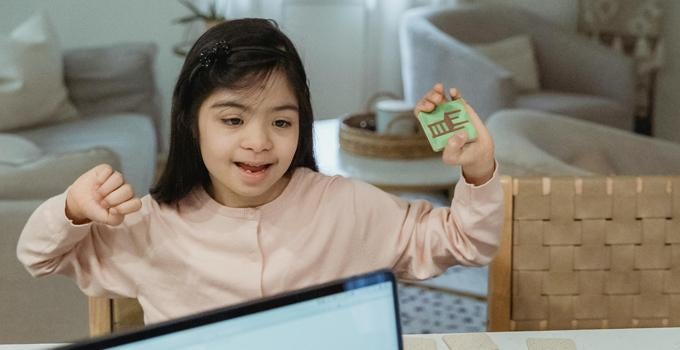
[101, 195]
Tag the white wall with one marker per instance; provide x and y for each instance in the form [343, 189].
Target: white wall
[100, 22]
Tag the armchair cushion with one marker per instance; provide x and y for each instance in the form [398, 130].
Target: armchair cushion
[515, 54]
[592, 108]
[32, 87]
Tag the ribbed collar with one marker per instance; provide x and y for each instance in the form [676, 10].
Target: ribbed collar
[272, 208]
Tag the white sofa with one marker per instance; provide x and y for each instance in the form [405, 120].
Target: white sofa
[114, 90]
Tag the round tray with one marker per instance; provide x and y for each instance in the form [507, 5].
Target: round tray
[358, 136]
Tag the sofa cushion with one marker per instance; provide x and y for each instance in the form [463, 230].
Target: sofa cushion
[113, 79]
[50, 174]
[596, 109]
[32, 89]
[16, 150]
[516, 55]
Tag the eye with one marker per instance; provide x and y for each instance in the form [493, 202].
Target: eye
[232, 121]
[280, 123]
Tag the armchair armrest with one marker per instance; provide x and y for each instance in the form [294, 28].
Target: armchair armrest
[430, 55]
[51, 174]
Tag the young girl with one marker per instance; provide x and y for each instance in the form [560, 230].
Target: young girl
[240, 211]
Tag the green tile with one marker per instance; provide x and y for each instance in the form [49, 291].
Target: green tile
[444, 121]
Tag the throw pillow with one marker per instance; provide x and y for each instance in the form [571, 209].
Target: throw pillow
[16, 150]
[516, 55]
[32, 89]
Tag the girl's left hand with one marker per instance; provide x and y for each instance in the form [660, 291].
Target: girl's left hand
[476, 158]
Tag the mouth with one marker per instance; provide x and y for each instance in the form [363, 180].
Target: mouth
[253, 168]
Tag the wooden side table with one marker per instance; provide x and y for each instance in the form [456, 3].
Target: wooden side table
[421, 175]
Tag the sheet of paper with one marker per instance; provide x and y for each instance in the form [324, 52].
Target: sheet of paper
[413, 343]
[550, 344]
[469, 341]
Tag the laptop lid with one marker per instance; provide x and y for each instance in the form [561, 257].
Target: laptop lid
[359, 312]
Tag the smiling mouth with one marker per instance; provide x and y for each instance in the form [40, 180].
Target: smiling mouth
[252, 168]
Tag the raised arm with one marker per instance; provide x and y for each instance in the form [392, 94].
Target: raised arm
[88, 234]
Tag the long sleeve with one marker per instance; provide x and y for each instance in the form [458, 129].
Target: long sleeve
[418, 241]
[94, 255]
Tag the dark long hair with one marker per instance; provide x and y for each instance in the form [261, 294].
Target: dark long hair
[235, 54]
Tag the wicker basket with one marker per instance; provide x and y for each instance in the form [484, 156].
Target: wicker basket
[358, 136]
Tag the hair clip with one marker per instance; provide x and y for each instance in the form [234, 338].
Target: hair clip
[209, 55]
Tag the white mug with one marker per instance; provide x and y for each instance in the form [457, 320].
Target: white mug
[395, 117]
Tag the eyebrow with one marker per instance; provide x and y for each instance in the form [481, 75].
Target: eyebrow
[284, 107]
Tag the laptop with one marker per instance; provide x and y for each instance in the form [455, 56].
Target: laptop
[359, 312]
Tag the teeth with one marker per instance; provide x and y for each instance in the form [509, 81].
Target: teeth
[250, 168]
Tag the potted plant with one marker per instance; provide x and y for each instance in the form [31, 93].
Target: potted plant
[210, 16]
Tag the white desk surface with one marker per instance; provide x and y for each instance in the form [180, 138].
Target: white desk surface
[332, 160]
[601, 339]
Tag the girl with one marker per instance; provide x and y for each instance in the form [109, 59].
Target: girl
[240, 211]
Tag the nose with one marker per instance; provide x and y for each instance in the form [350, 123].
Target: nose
[256, 138]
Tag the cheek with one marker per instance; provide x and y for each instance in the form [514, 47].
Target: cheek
[214, 146]
[291, 145]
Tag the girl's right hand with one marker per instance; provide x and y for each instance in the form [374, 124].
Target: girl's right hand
[101, 195]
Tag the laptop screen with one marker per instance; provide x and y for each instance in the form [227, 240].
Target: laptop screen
[356, 313]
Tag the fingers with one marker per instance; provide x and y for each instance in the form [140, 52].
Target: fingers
[114, 181]
[454, 148]
[120, 195]
[455, 93]
[474, 117]
[431, 99]
[127, 207]
[115, 197]
[102, 172]
[117, 204]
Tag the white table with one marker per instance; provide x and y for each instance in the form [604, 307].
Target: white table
[390, 174]
[600, 339]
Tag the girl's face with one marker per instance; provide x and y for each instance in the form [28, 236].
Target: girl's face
[248, 139]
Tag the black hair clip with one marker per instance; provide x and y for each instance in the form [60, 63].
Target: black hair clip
[209, 55]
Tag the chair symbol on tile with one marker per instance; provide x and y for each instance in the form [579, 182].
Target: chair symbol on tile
[447, 125]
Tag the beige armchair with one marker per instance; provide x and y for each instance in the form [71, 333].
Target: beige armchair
[577, 77]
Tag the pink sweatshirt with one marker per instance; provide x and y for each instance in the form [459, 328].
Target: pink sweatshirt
[198, 255]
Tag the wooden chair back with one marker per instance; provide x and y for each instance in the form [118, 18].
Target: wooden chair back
[114, 315]
[590, 252]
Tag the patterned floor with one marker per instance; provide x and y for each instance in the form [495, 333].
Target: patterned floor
[425, 310]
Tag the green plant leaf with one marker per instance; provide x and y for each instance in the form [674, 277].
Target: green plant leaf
[186, 19]
[188, 4]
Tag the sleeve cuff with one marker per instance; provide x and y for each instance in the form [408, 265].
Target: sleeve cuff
[470, 192]
[62, 230]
